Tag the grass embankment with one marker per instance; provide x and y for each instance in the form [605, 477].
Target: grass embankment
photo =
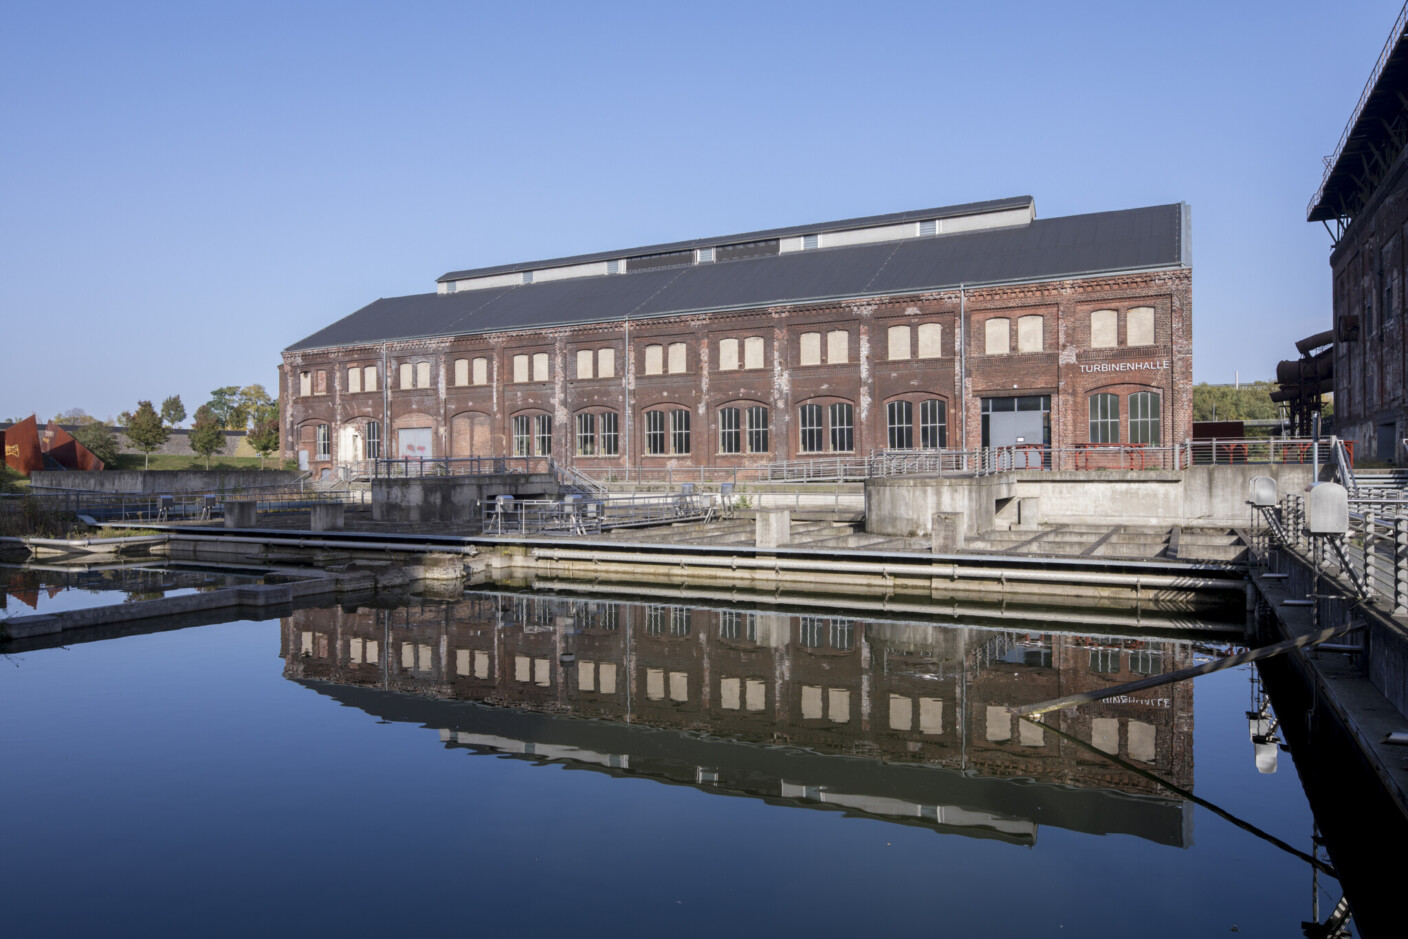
[183, 461]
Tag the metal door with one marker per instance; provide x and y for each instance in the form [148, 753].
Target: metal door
[414, 443]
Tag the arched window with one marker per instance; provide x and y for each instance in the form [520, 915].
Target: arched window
[662, 442]
[823, 427]
[1104, 418]
[1144, 423]
[677, 358]
[899, 419]
[728, 355]
[932, 424]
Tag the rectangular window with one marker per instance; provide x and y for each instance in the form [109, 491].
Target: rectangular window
[753, 352]
[305, 383]
[838, 347]
[461, 371]
[407, 376]
[324, 442]
[1139, 326]
[654, 360]
[373, 440]
[810, 349]
[679, 621]
[899, 343]
[813, 435]
[540, 366]
[544, 434]
[728, 355]
[354, 380]
[900, 418]
[1144, 418]
[481, 371]
[933, 424]
[997, 336]
[679, 431]
[677, 358]
[1029, 334]
[655, 433]
[730, 432]
[422, 374]
[585, 359]
[606, 363]
[1104, 419]
[586, 434]
[520, 368]
[522, 440]
[369, 378]
[842, 439]
[930, 340]
[757, 429]
[610, 439]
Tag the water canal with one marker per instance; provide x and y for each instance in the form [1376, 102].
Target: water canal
[520, 763]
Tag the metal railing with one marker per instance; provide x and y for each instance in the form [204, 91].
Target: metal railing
[1375, 547]
[459, 466]
[1235, 450]
[508, 516]
[186, 506]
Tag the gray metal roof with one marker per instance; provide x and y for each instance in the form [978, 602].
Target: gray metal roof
[1102, 242]
[894, 218]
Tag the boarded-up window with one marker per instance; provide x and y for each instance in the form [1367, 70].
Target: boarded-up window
[931, 716]
[899, 342]
[1105, 734]
[728, 355]
[901, 712]
[811, 702]
[1030, 735]
[1104, 329]
[996, 335]
[679, 686]
[305, 380]
[520, 368]
[1029, 334]
[606, 363]
[585, 360]
[654, 360]
[753, 352]
[320, 382]
[422, 374]
[755, 695]
[677, 358]
[540, 366]
[1141, 741]
[730, 694]
[811, 349]
[354, 380]
[999, 721]
[655, 684]
[407, 375]
[481, 371]
[930, 340]
[1139, 326]
[838, 705]
[461, 371]
[369, 378]
[838, 347]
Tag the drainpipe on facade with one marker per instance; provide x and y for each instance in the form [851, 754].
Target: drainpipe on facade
[963, 365]
[626, 414]
[385, 406]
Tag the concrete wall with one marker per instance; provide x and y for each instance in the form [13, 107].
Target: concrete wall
[1213, 496]
[906, 506]
[158, 481]
[452, 498]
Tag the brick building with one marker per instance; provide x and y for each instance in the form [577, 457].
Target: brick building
[957, 327]
[1363, 201]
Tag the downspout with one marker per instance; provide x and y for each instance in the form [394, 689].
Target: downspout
[385, 405]
[963, 365]
[627, 414]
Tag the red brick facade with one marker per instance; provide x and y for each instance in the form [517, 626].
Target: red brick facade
[468, 419]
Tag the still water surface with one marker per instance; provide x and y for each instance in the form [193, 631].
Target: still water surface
[514, 764]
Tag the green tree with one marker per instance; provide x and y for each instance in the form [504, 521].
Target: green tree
[1251, 402]
[100, 441]
[224, 405]
[264, 437]
[75, 416]
[146, 431]
[251, 399]
[173, 411]
[207, 436]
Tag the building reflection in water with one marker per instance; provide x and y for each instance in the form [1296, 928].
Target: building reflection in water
[904, 721]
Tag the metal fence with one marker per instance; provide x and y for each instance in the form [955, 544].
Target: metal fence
[183, 506]
[508, 516]
[1375, 547]
[459, 466]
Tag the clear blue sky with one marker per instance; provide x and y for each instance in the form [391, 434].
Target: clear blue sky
[190, 187]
